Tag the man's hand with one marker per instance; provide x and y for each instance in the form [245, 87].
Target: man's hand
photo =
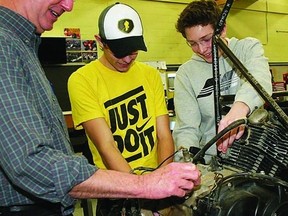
[174, 179]
[238, 110]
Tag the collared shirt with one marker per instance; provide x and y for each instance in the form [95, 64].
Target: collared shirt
[36, 158]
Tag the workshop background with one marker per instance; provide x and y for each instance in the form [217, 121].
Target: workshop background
[266, 20]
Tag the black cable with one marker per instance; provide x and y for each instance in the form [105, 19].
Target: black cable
[233, 125]
[167, 159]
[149, 169]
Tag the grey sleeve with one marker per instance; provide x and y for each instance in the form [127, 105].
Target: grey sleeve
[257, 64]
[186, 132]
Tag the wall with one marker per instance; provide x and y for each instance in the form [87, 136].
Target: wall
[264, 19]
[278, 71]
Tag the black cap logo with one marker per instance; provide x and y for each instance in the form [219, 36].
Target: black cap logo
[125, 25]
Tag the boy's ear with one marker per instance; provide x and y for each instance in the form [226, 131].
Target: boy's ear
[99, 41]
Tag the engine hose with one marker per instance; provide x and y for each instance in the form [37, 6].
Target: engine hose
[198, 156]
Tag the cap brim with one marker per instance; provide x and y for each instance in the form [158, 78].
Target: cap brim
[125, 46]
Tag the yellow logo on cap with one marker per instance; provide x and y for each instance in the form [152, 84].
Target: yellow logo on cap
[125, 25]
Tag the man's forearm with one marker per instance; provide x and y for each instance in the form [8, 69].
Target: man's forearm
[175, 179]
[108, 184]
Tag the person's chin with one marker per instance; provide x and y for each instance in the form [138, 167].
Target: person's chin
[210, 60]
[123, 69]
[207, 59]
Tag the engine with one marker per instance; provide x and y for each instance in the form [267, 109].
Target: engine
[244, 194]
[251, 178]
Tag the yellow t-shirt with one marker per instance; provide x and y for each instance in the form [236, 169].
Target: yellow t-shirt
[129, 102]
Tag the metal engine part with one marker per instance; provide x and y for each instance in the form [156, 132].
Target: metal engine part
[244, 194]
[251, 178]
[263, 149]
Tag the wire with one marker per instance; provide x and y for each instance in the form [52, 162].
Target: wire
[149, 169]
[233, 125]
[167, 159]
